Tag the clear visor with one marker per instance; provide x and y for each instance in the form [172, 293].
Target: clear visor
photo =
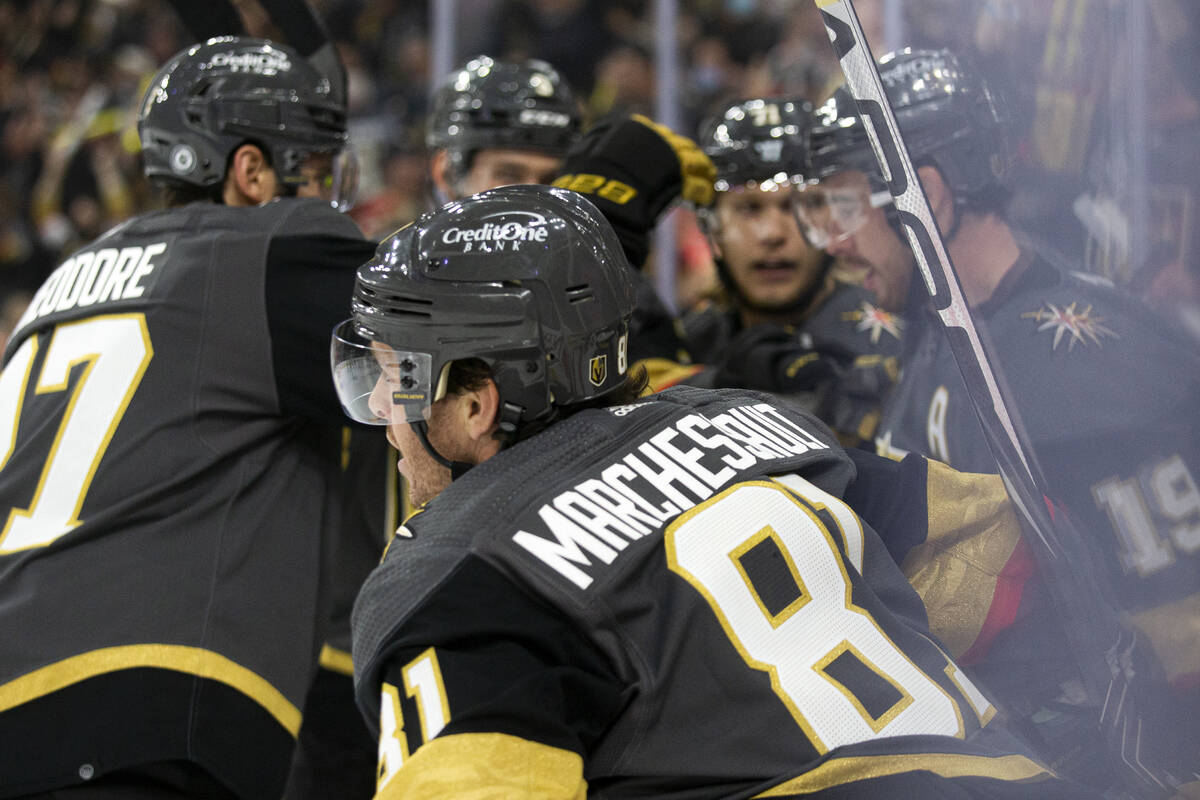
[343, 180]
[377, 384]
[333, 177]
[830, 215]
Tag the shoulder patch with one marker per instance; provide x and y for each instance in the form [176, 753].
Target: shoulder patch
[1078, 327]
[874, 321]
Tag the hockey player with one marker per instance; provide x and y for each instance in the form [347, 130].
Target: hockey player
[168, 479]
[1107, 395]
[496, 123]
[614, 597]
[779, 292]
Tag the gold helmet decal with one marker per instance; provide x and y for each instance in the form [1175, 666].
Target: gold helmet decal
[598, 370]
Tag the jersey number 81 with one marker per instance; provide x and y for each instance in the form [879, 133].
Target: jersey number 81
[839, 674]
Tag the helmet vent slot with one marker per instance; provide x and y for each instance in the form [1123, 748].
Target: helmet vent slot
[580, 293]
[420, 301]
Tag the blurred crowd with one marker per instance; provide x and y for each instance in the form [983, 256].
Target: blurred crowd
[1101, 97]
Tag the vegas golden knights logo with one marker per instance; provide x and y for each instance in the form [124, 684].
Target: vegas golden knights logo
[598, 370]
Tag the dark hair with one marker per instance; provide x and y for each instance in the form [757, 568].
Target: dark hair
[993, 199]
[180, 194]
[471, 374]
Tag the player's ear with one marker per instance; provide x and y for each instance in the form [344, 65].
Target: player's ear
[439, 171]
[480, 415]
[250, 181]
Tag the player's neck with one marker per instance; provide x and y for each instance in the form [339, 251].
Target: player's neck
[983, 251]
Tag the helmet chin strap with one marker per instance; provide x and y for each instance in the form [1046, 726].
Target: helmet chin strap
[510, 416]
[457, 468]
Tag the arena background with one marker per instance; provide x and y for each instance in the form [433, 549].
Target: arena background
[1102, 99]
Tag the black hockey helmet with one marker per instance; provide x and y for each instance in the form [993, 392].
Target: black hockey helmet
[530, 279]
[211, 98]
[488, 103]
[758, 140]
[946, 113]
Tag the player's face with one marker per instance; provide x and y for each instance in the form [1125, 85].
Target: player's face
[859, 234]
[493, 168]
[317, 170]
[762, 247]
[332, 178]
[425, 477]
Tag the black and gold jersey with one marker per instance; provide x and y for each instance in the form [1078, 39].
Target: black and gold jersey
[167, 496]
[1108, 397]
[668, 599]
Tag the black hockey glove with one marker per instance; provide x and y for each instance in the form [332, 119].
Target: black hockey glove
[773, 358]
[632, 168]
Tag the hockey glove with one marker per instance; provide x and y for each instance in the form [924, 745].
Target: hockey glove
[772, 358]
[632, 168]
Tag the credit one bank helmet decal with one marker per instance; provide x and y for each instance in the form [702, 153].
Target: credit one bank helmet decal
[530, 279]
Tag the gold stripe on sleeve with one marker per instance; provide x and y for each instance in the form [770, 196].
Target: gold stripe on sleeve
[842, 771]
[336, 660]
[971, 536]
[481, 766]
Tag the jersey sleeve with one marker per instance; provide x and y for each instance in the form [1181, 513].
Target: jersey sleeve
[309, 283]
[483, 685]
[957, 540]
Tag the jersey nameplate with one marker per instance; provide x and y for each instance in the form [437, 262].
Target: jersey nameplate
[636, 493]
[95, 277]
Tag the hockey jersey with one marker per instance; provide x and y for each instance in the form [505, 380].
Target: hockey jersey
[667, 599]
[1108, 397]
[161, 557]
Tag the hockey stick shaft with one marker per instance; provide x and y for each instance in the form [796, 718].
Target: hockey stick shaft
[1080, 591]
[865, 83]
[1063, 556]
